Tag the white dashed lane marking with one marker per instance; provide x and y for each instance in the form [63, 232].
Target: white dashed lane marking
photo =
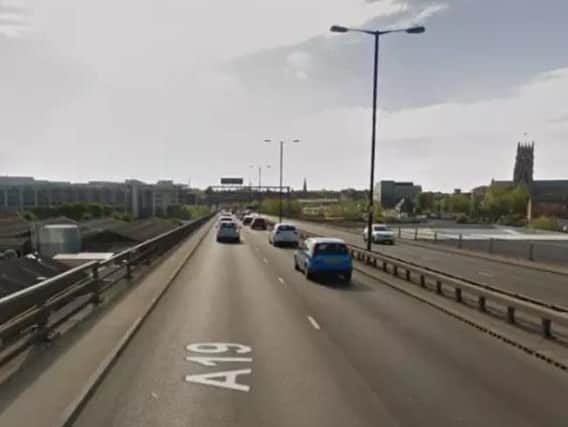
[281, 280]
[265, 260]
[314, 323]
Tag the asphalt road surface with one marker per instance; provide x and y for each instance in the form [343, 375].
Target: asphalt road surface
[298, 353]
[545, 286]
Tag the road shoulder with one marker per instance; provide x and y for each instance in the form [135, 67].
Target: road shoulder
[47, 400]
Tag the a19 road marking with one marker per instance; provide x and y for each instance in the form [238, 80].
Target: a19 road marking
[314, 323]
[221, 379]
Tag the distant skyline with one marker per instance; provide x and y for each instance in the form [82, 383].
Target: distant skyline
[150, 90]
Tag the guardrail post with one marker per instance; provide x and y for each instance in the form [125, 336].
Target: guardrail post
[399, 232]
[128, 266]
[459, 295]
[435, 236]
[96, 285]
[395, 270]
[460, 241]
[511, 314]
[385, 267]
[149, 254]
[416, 233]
[438, 287]
[531, 251]
[408, 275]
[481, 304]
[546, 328]
[422, 281]
[490, 248]
[42, 333]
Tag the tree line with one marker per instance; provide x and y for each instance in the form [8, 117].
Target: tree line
[506, 205]
[501, 204]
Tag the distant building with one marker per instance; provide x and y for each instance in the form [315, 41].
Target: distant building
[390, 194]
[547, 197]
[524, 164]
[351, 194]
[305, 186]
[479, 192]
[136, 197]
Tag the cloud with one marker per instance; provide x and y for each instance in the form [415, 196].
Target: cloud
[299, 59]
[14, 19]
[450, 145]
[429, 11]
[171, 89]
[335, 65]
[299, 63]
[563, 118]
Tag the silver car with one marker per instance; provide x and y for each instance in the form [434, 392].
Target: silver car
[228, 232]
[380, 234]
[284, 234]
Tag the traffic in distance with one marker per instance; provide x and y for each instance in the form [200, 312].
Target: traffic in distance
[269, 326]
[381, 233]
[317, 258]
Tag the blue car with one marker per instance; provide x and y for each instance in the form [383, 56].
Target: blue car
[324, 256]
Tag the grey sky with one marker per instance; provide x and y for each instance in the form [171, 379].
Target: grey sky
[168, 89]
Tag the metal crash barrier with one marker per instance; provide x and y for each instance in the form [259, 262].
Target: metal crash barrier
[34, 313]
[512, 304]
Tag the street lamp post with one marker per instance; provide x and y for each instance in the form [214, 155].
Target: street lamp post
[376, 35]
[282, 142]
[259, 174]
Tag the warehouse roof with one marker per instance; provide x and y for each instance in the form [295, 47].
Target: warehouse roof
[135, 231]
[14, 226]
[21, 273]
[145, 229]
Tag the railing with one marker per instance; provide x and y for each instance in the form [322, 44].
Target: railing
[533, 250]
[512, 304]
[530, 250]
[32, 314]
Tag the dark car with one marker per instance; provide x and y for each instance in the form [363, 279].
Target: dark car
[247, 219]
[258, 223]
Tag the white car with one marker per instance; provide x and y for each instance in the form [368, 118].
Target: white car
[225, 218]
[228, 232]
[284, 234]
[380, 234]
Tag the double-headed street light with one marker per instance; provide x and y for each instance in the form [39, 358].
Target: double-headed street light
[282, 142]
[376, 35]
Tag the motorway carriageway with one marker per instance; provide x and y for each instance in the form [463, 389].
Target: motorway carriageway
[306, 354]
[544, 286]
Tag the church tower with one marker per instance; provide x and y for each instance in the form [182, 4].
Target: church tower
[524, 164]
[305, 187]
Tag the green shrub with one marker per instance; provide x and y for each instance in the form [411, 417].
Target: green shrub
[122, 216]
[462, 219]
[29, 216]
[545, 223]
